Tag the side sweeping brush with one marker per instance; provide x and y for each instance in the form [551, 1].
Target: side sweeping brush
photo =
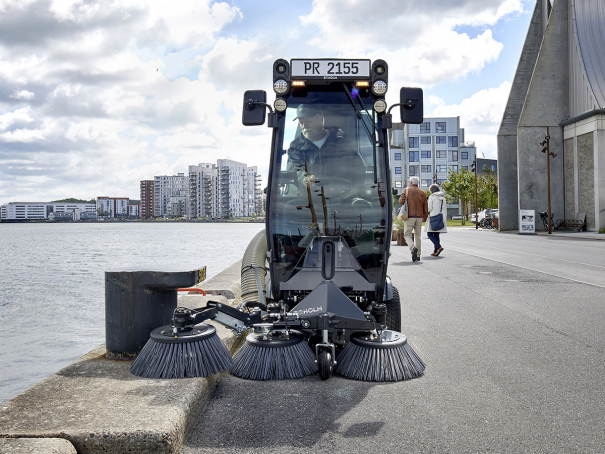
[274, 356]
[388, 357]
[197, 352]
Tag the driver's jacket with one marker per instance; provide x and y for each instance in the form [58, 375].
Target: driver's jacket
[336, 158]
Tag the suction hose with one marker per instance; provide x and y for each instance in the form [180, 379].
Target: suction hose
[253, 269]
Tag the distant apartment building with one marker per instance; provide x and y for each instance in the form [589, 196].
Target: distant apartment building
[200, 193]
[225, 189]
[146, 206]
[428, 151]
[169, 195]
[134, 210]
[113, 207]
[54, 211]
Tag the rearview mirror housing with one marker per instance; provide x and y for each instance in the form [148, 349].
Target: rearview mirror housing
[254, 108]
[411, 100]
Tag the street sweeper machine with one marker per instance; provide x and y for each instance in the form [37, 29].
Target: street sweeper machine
[315, 291]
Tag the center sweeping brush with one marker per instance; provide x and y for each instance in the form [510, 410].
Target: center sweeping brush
[197, 352]
[388, 357]
[275, 356]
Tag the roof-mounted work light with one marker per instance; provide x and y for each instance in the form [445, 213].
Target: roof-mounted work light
[280, 86]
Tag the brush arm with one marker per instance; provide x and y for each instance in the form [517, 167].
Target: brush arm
[228, 316]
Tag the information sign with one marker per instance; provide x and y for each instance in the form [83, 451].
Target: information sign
[527, 222]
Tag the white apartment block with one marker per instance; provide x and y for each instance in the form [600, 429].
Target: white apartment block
[201, 198]
[225, 189]
[428, 151]
[170, 195]
[133, 210]
[24, 211]
[114, 207]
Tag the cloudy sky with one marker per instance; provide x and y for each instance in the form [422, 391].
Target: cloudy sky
[98, 95]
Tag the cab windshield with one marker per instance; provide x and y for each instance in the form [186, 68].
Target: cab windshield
[329, 178]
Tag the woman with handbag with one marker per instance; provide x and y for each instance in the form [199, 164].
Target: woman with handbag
[437, 221]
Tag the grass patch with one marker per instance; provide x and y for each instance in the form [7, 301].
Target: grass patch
[458, 222]
[450, 223]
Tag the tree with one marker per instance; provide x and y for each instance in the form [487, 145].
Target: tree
[459, 186]
[72, 200]
[487, 188]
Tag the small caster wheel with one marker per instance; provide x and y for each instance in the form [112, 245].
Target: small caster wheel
[325, 364]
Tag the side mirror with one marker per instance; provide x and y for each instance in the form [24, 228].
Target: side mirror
[411, 100]
[254, 108]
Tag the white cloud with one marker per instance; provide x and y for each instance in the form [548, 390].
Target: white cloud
[23, 94]
[480, 116]
[19, 115]
[418, 38]
[191, 22]
[22, 135]
[433, 100]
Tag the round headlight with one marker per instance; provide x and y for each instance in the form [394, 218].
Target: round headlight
[280, 104]
[379, 87]
[280, 86]
[380, 106]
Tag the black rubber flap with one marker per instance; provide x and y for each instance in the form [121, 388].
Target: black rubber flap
[328, 298]
[199, 332]
[281, 340]
[387, 339]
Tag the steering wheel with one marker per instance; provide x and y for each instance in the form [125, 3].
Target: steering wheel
[334, 187]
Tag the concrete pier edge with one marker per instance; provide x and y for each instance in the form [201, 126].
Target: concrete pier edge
[97, 405]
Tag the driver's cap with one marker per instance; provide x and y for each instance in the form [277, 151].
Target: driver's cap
[307, 111]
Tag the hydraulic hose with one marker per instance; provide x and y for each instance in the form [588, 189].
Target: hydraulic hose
[254, 259]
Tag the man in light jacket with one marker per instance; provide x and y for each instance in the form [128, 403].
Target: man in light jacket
[418, 211]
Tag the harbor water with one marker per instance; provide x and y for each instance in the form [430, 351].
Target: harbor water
[52, 294]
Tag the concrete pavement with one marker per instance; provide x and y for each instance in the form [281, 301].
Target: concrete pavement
[514, 353]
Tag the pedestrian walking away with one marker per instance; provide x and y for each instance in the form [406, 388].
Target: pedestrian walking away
[417, 213]
[437, 206]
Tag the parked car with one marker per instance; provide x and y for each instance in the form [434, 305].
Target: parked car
[480, 215]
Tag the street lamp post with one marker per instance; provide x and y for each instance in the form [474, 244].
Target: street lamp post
[474, 169]
[546, 149]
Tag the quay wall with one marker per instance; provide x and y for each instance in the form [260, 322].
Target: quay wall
[95, 405]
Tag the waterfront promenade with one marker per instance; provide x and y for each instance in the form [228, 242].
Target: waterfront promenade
[510, 328]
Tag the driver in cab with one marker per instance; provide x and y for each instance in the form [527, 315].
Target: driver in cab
[323, 152]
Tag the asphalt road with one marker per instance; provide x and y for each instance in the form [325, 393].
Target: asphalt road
[512, 329]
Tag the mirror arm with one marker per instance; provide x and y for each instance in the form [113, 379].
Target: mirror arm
[391, 108]
[252, 103]
[409, 104]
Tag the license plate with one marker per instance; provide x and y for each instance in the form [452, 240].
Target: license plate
[330, 69]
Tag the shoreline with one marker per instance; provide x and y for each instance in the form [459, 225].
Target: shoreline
[203, 221]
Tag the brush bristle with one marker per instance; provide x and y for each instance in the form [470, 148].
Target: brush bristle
[199, 358]
[255, 362]
[379, 364]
